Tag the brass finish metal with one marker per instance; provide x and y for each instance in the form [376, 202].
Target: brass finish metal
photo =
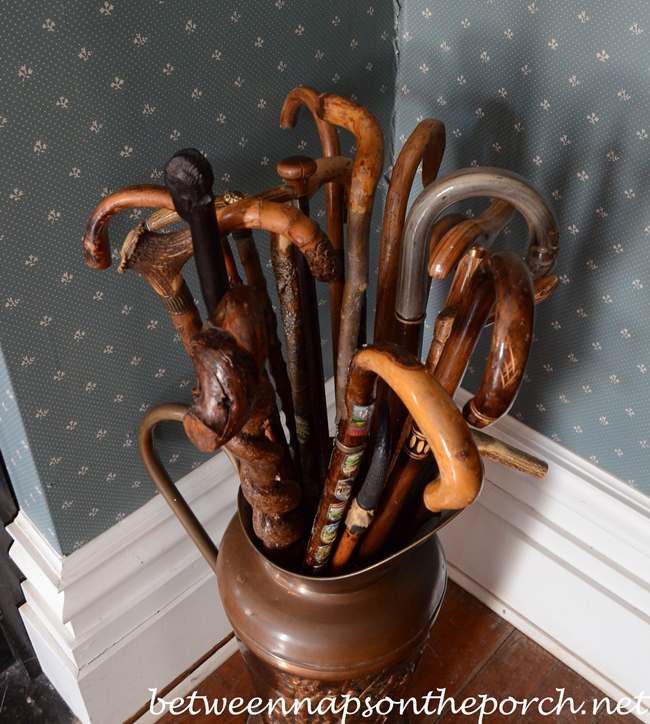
[316, 637]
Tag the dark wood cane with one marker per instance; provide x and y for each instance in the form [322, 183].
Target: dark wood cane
[296, 170]
[425, 145]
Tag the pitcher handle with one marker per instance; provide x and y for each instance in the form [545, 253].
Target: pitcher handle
[162, 481]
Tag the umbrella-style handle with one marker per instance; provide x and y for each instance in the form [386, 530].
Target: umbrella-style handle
[425, 145]
[469, 183]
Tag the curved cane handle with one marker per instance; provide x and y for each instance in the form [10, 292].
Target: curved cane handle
[163, 482]
[289, 222]
[450, 440]
[309, 97]
[254, 213]
[502, 280]
[445, 255]
[427, 145]
[96, 245]
[469, 183]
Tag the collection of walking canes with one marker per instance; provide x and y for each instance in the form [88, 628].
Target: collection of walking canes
[320, 506]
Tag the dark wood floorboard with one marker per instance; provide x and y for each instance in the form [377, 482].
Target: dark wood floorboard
[471, 651]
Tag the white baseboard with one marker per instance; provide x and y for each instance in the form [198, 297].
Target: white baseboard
[565, 559]
[191, 682]
[133, 609]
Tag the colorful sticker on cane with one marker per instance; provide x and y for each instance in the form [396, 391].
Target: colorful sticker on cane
[328, 534]
[351, 464]
[343, 490]
[302, 429]
[360, 420]
[336, 510]
[321, 554]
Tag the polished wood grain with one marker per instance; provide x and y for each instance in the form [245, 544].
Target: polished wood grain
[471, 650]
[425, 145]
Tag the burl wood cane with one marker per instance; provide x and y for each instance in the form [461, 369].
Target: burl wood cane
[233, 403]
[255, 212]
[501, 280]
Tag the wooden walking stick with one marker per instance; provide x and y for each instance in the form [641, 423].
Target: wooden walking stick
[250, 260]
[444, 430]
[189, 179]
[425, 145]
[503, 280]
[445, 232]
[366, 171]
[296, 171]
[334, 202]
[468, 183]
[96, 244]
[362, 509]
[234, 402]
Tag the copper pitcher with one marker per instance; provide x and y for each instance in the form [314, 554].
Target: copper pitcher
[315, 639]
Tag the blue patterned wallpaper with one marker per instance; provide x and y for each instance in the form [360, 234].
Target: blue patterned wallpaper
[96, 95]
[558, 91]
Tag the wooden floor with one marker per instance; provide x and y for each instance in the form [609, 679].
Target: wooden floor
[471, 651]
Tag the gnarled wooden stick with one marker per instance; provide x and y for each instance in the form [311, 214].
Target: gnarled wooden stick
[334, 204]
[277, 367]
[233, 406]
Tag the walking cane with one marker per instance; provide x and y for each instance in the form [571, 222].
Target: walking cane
[233, 394]
[96, 244]
[366, 171]
[443, 428]
[412, 291]
[362, 509]
[296, 171]
[503, 280]
[425, 145]
[334, 202]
